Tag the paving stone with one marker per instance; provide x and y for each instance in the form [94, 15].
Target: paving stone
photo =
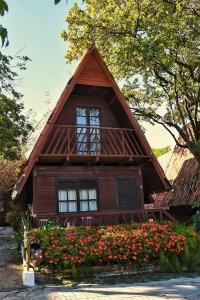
[174, 289]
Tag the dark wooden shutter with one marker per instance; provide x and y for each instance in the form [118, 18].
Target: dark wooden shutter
[127, 194]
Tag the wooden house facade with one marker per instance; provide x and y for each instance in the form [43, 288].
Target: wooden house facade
[92, 160]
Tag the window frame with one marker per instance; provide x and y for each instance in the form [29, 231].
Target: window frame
[88, 108]
[88, 143]
[67, 201]
[78, 185]
[88, 200]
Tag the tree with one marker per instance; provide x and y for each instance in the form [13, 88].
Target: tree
[160, 151]
[9, 172]
[14, 127]
[154, 46]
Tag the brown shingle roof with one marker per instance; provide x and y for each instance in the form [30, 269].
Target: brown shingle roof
[181, 170]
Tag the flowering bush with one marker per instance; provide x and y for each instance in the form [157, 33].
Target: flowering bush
[104, 245]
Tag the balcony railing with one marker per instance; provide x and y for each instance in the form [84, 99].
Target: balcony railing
[93, 141]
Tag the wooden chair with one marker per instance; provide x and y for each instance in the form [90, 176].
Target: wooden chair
[86, 221]
[43, 222]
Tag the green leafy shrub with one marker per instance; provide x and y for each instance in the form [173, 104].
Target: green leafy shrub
[13, 217]
[17, 219]
[191, 254]
[195, 219]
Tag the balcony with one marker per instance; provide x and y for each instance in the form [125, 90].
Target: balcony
[84, 142]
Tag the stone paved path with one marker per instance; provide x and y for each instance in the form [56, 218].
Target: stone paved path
[175, 289]
[10, 262]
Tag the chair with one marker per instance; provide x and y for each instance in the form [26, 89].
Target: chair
[43, 222]
[86, 221]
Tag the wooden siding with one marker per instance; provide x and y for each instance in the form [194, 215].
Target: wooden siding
[93, 74]
[45, 177]
[68, 114]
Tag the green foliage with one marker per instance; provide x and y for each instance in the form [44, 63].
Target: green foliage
[8, 75]
[13, 217]
[14, 127]
[172, 265]
[197, 145]
[191, 254]
[195, 219]
[18, 219]
[154, 47]
[160, 151]
[3, 30]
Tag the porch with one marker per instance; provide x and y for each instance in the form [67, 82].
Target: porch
[80, 143]
[105, 217]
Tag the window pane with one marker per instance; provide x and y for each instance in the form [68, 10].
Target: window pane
[72, 206]
[83, 194]
[83, 206]
[81, 120]
[81, 116]
[92, 194]
[94, 121]
[94, 117]
[62, 206]
[62, 195]
[71, 194]
[92, 205]
[82, 148]
[94, 112]
[81, 131]
[81, 111]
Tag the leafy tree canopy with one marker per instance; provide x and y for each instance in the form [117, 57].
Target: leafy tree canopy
[160, 151]
[157, 39]
[9, 172]
[14, 127]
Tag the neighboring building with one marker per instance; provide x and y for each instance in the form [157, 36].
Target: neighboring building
[180, 168]
[92, 158]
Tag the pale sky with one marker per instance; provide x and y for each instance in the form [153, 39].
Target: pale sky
[34, 29]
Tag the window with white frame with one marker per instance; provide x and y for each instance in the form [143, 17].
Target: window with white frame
[67, 200]
[77, 196]
[88, 199]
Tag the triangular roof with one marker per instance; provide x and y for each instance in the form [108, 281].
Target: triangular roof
[105, 78]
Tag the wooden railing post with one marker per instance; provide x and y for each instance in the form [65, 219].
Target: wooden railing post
[68, 145]
[122, 133]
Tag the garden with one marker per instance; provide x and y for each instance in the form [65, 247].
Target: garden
[165, 246]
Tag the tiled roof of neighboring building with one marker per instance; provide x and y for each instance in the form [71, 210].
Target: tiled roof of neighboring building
[181, 170]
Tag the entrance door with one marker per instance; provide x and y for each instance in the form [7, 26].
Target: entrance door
[127, 194]
[88, 134]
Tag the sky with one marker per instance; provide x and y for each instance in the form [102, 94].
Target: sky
[34, 29]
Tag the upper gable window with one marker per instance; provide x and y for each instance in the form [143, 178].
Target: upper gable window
[89, 116]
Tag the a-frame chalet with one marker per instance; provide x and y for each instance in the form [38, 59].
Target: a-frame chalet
[92, 160]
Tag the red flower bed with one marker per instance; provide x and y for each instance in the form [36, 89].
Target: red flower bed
[127, 244]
